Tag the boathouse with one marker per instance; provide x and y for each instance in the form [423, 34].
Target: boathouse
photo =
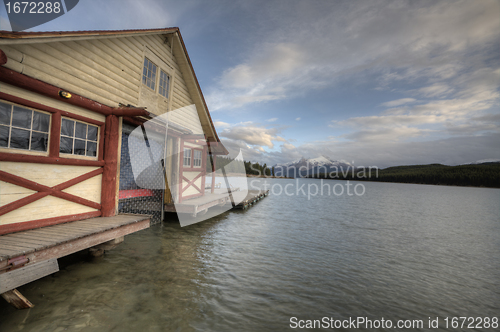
[69, 102]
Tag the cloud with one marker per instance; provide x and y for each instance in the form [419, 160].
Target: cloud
[253, 135]
[425, 43]
[384, 134]
[272, 120]
[450, 151]
[297, 119]
[220, 124]
[398, 102]
[475, 98]
[435, 90]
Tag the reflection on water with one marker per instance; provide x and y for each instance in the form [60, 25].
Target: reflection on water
[401, 251]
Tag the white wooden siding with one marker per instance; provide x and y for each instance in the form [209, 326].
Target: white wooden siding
[48, 175]
[47, 207]
[191, 190]
[37, 98]
[109, 71]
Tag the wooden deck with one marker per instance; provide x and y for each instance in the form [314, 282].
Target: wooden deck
[199, 205]
[29, 255]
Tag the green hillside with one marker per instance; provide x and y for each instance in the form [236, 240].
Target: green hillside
[481, 175]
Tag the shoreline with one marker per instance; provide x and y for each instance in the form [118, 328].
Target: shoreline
[427, 184]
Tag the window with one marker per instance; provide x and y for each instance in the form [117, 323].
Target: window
[149, 74]
[78, 138]
[197, 158]
[164, 83]
[187, 158]
[22, 128]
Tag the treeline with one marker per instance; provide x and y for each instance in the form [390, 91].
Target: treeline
[237, 167]
[481, 175]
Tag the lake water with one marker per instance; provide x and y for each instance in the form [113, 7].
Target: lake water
[398, 252]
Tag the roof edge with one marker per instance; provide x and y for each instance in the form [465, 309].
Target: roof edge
[51, 34]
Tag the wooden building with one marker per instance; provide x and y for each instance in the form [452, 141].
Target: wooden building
[68, 101]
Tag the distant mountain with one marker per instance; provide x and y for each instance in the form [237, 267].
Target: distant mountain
[306, 167]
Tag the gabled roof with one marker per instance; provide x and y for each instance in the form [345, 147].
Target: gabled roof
[55, 34]
[9, 37]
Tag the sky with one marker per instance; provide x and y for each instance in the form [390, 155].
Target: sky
[375, 83]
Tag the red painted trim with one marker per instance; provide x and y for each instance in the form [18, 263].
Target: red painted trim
[100, 148]
[214, 161]
[133, 121]
[108, 187]
[22, 182]
[81, 118]
[135, 193]
[3, 58]
[201, 170]
[22, 202]
[55, 135]
[204, 168]
[78, 179]
[41, 107]
[193, 169]
[181, 168]
[25, 158]
[31, 84]
[194, 137]
[193, 196]
[191, 183]
[76, 199]
[43, 191]
[26, 225]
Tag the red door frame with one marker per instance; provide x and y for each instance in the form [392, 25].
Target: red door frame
[202, 170]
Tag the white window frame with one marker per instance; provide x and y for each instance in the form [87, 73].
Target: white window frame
[162, 89]
[187, 157]
[145, 78]
[197, 162]
[31, 130]
[74, 138]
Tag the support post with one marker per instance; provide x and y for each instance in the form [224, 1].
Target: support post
[16, 299]
[108, 188]
[214, 159]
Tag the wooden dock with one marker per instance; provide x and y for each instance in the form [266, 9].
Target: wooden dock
[200, 205]
[252, 197]
[30, 255]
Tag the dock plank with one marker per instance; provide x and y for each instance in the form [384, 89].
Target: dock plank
[24, 275]
[42, 239]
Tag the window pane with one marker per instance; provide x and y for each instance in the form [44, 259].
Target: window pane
[41, 122]
[4, 136]
[21, 118]
[79, 147]
[67, 127]
[20, 139]
[80, 131]
[39, 141]
[187, 157]
[66, 145]
[5, 110]
[92, 133]
[91, 149]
